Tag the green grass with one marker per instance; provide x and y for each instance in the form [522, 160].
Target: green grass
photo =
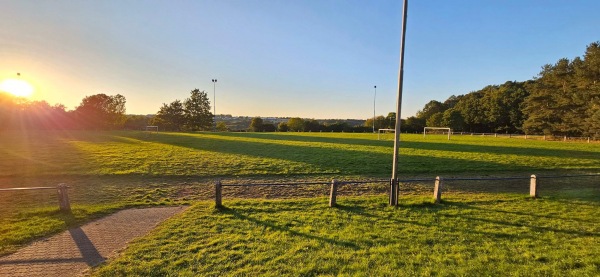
[468, 234]
[279, 154]
[114, 170]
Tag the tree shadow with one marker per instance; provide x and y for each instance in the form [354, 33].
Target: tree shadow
[535, 228]
[435, 146]
[333, 160]
[419, 208]
[285, 229]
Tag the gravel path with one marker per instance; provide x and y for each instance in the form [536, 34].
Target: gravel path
[73, 252]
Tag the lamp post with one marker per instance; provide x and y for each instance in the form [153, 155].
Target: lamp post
[374, 97]
[394, 181]
[214, 81]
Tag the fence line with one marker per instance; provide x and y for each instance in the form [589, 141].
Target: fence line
[62, 192]
[438, 184]
[524, 136]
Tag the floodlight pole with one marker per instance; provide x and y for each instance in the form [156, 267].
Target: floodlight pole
[394, 186]
[214, 81]
[374, 97]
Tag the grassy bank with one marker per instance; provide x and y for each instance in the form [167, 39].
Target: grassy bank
[469, 234]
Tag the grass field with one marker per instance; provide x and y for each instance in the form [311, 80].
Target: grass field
[279, 154]
[108, 171]
[467, 235]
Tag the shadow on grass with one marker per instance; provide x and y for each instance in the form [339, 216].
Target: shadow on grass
[242, 216]
[436, 146]
[511, 222]
[333, 160]
[433, 210]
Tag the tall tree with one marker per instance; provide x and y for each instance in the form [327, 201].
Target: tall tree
[197, 111]
[295, 124]
[431, 108]
[256, 125]
[170, 117]
[101, 112]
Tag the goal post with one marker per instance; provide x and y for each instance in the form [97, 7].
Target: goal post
[152, 129]
[384, 131]
[437, 128]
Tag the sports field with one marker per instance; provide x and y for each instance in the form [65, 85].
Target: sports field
[108, 171]
[280, 154]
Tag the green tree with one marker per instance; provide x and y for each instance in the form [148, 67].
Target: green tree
[436, 120]
[256, 125]
[295, 124]
[380, 123]
[312, 125]
[197, 111]
[413, 124]
[390, 120]
[431, 108]
[453, 119]
[282, 127]
[269, 127]
[222, 127]
[101, 111]
[136, 122]
[170, 117]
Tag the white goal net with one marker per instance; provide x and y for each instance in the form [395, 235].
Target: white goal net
[152, 129]
[385, 134]
[437, 131]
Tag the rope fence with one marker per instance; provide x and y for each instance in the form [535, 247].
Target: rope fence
[62, 193]
[532, 137]
[437, 193]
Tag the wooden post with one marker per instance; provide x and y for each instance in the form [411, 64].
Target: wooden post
[533, 187]
[437, 190]
[63, 198]
[544, 137]
[588, 139]
[565, 139]
[333, 193]
[394, 192]
[218, 195]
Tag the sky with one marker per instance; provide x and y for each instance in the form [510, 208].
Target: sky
[311, 58]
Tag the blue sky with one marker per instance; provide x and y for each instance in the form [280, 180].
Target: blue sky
[314, 59]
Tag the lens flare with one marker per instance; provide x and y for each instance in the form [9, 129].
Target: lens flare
[15, 87]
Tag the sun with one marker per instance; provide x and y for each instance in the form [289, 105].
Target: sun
[16, 87]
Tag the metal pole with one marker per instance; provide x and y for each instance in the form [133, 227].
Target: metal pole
[394, 190]
[374, 97]
[215, 102]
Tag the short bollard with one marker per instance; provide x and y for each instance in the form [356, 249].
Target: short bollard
[63, 198]
[218, 195]
[437, 190]
[333, 193]
[533, 184]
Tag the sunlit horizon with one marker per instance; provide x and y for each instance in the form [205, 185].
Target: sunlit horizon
[17, 87]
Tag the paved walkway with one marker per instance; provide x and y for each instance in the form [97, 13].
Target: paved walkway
[72, 252]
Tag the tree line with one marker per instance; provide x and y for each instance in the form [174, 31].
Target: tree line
[96, 112]
[563, 100]
[103, 112]
[297, 124]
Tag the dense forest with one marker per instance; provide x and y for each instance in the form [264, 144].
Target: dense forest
[564, 100]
